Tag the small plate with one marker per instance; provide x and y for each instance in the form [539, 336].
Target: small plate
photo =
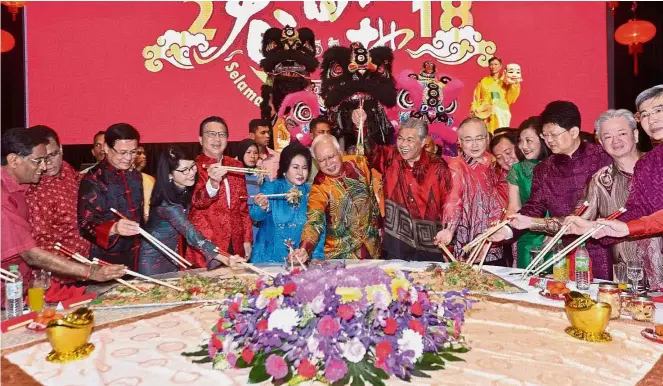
[550, 296]
[34, 326]
[649, 333]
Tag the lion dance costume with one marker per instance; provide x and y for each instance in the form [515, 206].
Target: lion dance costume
[289, 59]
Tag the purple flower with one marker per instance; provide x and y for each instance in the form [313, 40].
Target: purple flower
[232, 359]
[276, 366]
[336, 370]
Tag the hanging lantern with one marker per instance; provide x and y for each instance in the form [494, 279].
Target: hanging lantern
[612, 6]
[14, 7]
[633, 34]
[8, 41]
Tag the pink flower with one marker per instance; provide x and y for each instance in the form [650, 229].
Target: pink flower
[289, 288]
[390, 328]
[276, 366]
[216, 343]
[336, 370]
[416, 309]
[232, 359]
[417, 326]
[383, 349]
[219, 326]
[273, 305]
[262, 325]
[345, 312]
[306, 369]
[233, 309]
[328, 326]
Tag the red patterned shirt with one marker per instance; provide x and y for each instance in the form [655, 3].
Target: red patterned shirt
[52, 206]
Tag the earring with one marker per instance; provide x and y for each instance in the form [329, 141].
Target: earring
[170, 179]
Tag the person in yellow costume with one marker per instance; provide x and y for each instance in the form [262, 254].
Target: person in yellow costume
[493, 96]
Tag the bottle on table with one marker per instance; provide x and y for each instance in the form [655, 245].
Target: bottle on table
[582, 268]
[14, 294]
[561, 268]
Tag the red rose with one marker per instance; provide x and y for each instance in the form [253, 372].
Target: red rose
[262, 325]
[233, 309]
[416, 309]
[218, 345]
[247, 355]
[390, 328]
[345, 312]
[306, 369]
[295, 271]
[289, 288]
[383, 349]
[417, 326]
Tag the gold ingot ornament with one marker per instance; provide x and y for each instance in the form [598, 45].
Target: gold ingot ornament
[69, 336]
[588, 318]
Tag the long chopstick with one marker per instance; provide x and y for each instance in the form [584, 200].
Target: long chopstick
[246, 265]
[540, 256]
[82, 259]
[7, 273]
[288, 243]
[561, 254]
[161, 246]
[485, 253]
[487, 233]
[447, 252]
[136, 274]
[6, 278]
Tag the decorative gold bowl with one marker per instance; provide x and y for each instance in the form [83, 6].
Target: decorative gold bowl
[588, 318]
[69, 336]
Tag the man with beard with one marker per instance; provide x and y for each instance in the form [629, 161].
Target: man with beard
[415, 188]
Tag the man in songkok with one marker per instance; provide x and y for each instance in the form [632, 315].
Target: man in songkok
[477, 195]
[415, 189]
[218, 210]
[646, 191]
[113, 184]
[268, 159]
[609, 188]
[493, 96]
[559, 181]
[24, 160]
[342, 197]
[53, 202]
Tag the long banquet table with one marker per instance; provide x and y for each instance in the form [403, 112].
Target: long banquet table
[515, 339]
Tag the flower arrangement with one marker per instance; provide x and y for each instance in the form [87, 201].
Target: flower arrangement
[337, 325]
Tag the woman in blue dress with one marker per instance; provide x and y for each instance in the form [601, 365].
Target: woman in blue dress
[171, 197]
[281, 221]
[247, 153]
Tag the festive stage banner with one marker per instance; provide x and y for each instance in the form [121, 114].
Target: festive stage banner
[164, 66]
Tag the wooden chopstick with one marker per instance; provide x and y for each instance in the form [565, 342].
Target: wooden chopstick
[154, 241]
[8, 273]
[5, 278]
[136, 274]
[246, 265]
[539, 257]
[447, 252]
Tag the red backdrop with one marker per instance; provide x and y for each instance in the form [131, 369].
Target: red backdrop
[93, 64]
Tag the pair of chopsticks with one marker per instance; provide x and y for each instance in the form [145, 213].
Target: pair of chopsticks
[288, 243]
[82, 259]
[562, 254]
[486, 234]
[158, 244]
[244, 170]
[246, 265]
[537, 260]
[7, 276]
[477, 250]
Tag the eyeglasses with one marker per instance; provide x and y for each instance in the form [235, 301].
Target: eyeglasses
[51, 157]
[551, 135]
[642, 115]
[124, 153]
[474, 140]
[186, 171]
[39, 161]
[215, 134]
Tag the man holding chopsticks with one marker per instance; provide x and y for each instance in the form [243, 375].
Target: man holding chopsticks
[23, 162]
[559, 181]
[112, 184]
[217, 209]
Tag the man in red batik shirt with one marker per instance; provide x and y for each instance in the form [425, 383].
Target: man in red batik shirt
[217, 209]
[415, 189]
[52, 204]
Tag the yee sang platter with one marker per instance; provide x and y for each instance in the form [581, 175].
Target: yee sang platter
[458, 276]
[197, 289]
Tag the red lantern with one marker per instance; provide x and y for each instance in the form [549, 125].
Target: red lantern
[8, 41]
[633, 34]
[612, 5]
[14, 7]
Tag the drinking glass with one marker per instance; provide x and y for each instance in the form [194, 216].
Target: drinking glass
[40, 282]
[619, 276]
[634, 273]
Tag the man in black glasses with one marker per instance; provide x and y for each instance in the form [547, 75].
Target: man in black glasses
[113, 184]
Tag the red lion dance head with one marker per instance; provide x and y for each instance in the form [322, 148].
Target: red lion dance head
[298, 110]
[432, 98]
